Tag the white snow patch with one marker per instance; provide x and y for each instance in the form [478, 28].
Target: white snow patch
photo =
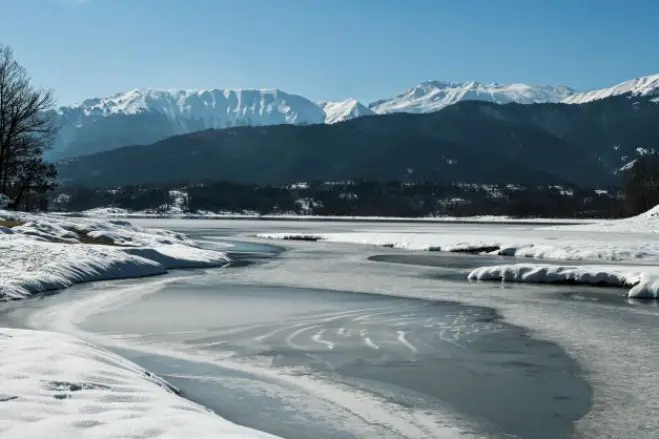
[179, 202]
[644, 86]
[544, 273]
[180, 256]
[434, 95]
[28, 266]
[104, 211]
[56, 386]
[46, 253]
[571, 247]
[644, 280]
[646, 288]
[344, 110]
[647, 222]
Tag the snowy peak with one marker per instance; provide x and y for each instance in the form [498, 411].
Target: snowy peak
[435, 95]
[644, 86]
[218, 108]
[344, 110]
[144, 116]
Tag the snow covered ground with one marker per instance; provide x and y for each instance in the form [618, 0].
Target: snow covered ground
[617, 253]
[117, 212]
[56, 386]
[44, 252]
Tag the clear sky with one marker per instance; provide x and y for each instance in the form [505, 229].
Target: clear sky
[327, 50]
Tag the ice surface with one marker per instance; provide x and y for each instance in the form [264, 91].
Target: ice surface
[56, 386]
[528, 245]
[627, 240]
[613, 343]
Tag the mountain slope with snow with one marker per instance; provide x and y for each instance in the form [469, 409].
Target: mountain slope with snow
[435, 95]
[344, 110]
[145, 116]
[645, 86]
[217, 108]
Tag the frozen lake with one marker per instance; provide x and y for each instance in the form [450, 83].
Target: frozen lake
[346, 341]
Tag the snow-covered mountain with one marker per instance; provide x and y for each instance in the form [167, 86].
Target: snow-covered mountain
[216, 108]
[644, 86]
[144, 116]
[344, 110]
[435, 95]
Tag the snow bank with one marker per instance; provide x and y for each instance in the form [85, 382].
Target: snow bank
[568, 248]
[540, 273]
[644, 281]
[55, 386]
[647, 222]
[119, 232]
[105, 211]
[47, 253]
[28, 266]
[180, 256]
[646, 288]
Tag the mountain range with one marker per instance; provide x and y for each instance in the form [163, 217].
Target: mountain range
[144, 116]
[471, 141]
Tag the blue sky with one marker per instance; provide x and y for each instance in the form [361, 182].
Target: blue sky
[327, 50]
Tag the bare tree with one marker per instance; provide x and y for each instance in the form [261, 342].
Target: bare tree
[26, 131]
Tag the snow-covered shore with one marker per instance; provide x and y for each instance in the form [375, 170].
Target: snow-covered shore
[627, 250]
[56, 386]
[115, 212]
[44, 252]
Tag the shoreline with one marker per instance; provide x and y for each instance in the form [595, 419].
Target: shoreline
[365, 219]
[488, 315]
[40, 367]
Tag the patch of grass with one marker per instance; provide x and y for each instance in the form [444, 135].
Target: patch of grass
[101, 240]
[10, 223]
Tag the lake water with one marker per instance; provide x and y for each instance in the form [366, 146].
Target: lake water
[338, 341]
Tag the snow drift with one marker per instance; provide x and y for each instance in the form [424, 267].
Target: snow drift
[56, 386]
[46, 252]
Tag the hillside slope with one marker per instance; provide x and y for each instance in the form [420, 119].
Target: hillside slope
[471, 141]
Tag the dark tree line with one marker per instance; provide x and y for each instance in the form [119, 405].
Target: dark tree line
[26, 131]
[641, 185]
[360, 198]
